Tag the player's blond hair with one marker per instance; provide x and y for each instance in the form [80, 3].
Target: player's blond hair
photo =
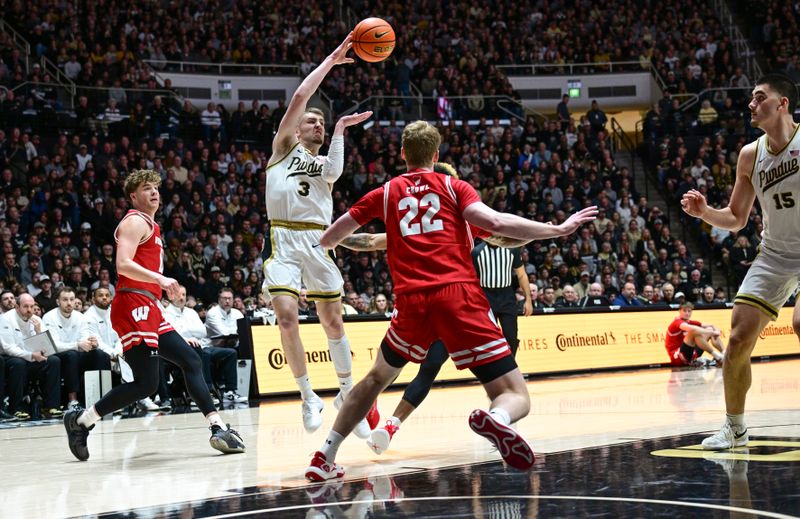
[138, 177]
[315, 111]
[420, 143]
[445, 168]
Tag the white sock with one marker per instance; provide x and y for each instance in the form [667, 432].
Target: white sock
[395, 421]
[89, 417]
[345, 385]
[216, 419]
[717, 355]
[331, 445]
[304, 384]
[736, 420]
[341, 357]
[501, 415]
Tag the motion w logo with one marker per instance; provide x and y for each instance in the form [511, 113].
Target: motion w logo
[140, 313]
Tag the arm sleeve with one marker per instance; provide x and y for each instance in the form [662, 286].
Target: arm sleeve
[369, 207]
[334, 162]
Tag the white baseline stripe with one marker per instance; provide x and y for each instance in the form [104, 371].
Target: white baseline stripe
[706, 506]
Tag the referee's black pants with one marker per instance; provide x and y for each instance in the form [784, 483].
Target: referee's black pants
[503, 303]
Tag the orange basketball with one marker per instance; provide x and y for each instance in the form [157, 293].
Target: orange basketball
[373, 39]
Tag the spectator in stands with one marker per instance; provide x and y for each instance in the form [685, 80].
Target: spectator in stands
[593, 297]
[46, 297]
[23, 365]
[568, 299]
[597, 118]
[7, 301]
[304, 306]
[215, 359]
[77, 349]
[211, 122]
[548, 298]
[708, 297]
[742, 256]
[562, 111]
[221, 321]
[627, 296]
[647, 296]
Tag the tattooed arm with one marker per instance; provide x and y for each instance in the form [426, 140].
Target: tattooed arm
[368, 242]
[365, 242]
[505, 242]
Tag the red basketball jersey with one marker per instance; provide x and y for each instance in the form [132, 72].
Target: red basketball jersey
[428, 240]
[149, 254]
[675, 335]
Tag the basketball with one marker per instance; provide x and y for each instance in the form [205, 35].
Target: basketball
[373, 39]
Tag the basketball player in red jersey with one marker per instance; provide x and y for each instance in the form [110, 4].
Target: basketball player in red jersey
[686, 340]
[136, 316]
[438, 295]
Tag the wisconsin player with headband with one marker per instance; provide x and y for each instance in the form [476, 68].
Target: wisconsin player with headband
[438, 295]
[299, 208]
[767, 169]
[137, 318]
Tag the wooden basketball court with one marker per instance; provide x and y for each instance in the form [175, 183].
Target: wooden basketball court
[608, 445]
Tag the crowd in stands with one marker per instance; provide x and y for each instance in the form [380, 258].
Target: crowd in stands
[65, 189]
[451, 53]
[61, 177]
[772, 28]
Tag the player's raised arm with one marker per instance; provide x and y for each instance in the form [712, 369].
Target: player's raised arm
[334, 163]
[735, 215]
[285, 136]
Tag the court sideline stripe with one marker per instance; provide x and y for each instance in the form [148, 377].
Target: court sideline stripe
[506, 497]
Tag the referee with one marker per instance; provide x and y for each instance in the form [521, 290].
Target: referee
[495, 266]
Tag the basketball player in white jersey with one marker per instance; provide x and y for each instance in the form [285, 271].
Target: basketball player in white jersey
[300, 207]
[768, 169]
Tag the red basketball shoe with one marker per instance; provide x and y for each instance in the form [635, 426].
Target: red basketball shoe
[511, 445]
[321, 470]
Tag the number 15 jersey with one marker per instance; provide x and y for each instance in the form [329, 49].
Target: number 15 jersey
[776, 179]
[428, 240]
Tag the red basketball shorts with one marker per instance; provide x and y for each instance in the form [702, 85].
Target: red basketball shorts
[458, 314]
[136, 318]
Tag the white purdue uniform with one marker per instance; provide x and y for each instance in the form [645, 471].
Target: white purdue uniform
[775, 273]
[299, 207]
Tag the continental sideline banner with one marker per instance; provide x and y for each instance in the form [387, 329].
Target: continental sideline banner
[549, 343]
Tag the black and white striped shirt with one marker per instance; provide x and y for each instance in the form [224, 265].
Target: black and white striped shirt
[495, 265]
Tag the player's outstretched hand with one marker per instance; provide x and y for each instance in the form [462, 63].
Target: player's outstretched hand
[353, 119]
[339, 56]
[169, 285]
[694, 203]
[575, 220]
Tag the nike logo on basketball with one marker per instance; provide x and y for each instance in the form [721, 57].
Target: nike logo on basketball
[381, 34]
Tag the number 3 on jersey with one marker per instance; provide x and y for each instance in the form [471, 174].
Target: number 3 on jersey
[427, 223]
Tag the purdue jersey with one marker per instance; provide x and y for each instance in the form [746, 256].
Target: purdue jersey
[296, 191]
[776, 179]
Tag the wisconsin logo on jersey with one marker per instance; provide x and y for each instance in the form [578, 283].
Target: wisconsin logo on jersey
[769, 177]
[140, 313]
